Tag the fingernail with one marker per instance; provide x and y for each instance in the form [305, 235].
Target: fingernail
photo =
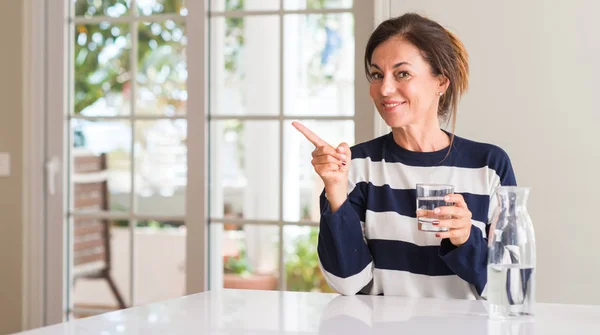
[437, 235]
[343, 156]
[447, 198]
[341, 149]
[437, 210]
[435, 223]
[344, 163]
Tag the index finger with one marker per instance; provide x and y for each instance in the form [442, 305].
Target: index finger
[312, 137]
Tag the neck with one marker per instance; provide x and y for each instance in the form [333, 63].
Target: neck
[421, 139]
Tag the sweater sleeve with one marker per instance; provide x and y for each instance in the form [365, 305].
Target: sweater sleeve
[469, 261]
[344, 256]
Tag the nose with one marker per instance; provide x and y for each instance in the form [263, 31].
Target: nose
[388, 86]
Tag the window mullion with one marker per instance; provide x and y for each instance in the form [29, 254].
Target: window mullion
[282, 279]
[133, 199]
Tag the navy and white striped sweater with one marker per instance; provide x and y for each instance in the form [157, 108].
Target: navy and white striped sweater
[372, 244]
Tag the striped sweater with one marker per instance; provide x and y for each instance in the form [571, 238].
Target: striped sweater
[372, 245]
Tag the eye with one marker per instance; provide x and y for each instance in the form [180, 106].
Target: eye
[402, 75]
[376, 75]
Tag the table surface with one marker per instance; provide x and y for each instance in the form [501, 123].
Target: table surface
[273, 312]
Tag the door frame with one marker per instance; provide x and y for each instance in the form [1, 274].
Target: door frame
[55, 160]
[44, 77]
[34, 104]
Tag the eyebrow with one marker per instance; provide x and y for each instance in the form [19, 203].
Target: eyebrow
[393, 67]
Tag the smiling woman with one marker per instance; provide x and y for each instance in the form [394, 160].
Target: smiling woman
[369, 241]
[427, 69]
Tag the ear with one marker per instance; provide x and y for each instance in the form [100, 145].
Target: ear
[443, 83]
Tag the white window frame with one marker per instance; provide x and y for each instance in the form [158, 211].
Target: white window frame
[45, 65]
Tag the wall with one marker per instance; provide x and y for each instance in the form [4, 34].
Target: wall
[11, 19]
[534, 92]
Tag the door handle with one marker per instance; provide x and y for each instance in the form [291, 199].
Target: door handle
[52, 169]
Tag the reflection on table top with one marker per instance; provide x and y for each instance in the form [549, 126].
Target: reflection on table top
[272, 312]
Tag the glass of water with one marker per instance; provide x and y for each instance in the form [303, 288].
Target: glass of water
[430, 197]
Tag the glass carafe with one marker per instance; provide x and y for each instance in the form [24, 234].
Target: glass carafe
[510, 288]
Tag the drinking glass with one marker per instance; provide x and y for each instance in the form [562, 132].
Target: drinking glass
[430, 197]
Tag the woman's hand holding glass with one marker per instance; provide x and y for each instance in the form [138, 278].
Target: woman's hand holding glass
[458, 222]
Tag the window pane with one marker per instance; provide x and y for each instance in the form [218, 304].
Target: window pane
[101, 174]
[112, 8]
[248, 255]
[150, 7]
[160, 251]
[245, 65]
[301, 184]
[319, 64]
[316, 4]
[162, 67]
[97, 263]
[161, 167]
[302, 261]
[244, 169]
[101, 74]
[227, 5]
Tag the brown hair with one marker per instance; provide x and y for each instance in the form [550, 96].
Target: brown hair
[441, 49]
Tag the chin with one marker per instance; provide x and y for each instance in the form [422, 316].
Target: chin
[395, 121]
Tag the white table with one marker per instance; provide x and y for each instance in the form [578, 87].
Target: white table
[271, 312]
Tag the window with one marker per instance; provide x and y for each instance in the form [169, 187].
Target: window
[270, 65]
[128, 118]
[128, 153]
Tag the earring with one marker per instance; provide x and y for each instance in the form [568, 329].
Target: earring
[440, 93]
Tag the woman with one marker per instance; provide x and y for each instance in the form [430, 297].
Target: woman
[369, 241]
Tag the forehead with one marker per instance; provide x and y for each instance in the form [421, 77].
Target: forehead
[396, 50]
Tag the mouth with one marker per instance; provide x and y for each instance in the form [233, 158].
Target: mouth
[390, 106]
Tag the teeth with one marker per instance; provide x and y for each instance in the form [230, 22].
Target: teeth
[391, 105]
